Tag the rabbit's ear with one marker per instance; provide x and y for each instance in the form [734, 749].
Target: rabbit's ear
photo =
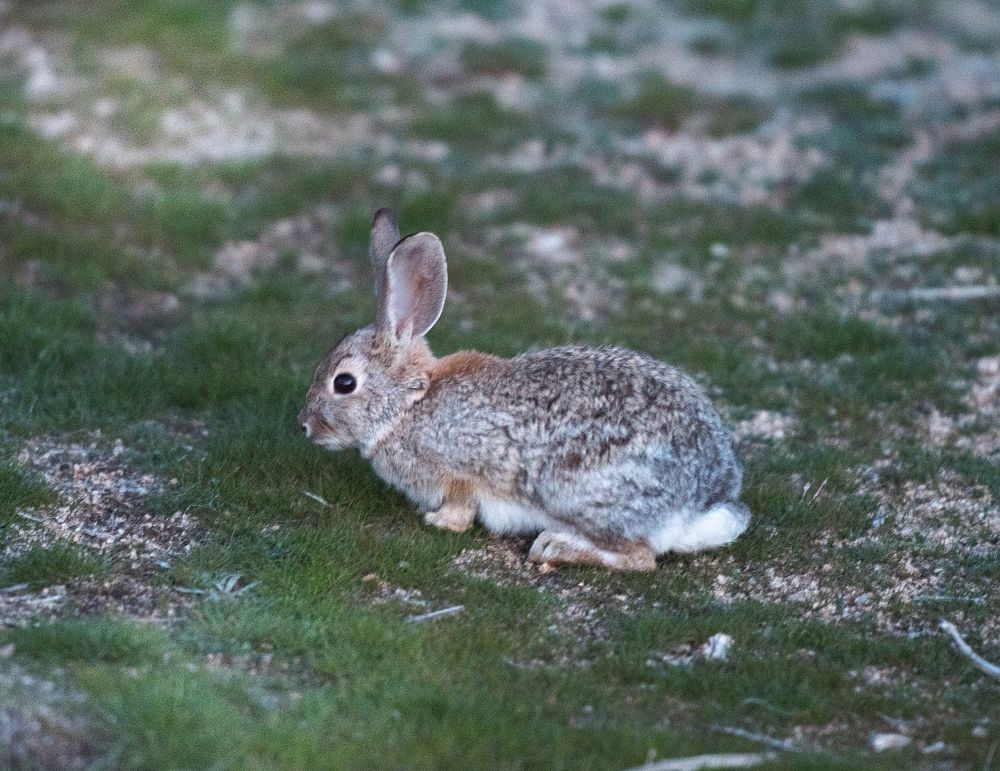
[415, 288]
[385, 235]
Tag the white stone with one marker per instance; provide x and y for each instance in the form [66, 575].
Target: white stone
[883, 742]
[716, 648]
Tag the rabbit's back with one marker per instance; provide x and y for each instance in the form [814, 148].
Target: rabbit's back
[551, 419]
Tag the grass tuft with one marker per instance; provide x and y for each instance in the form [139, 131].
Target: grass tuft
[91, 641]
[56, 563]
[20, 490]
[522, 56]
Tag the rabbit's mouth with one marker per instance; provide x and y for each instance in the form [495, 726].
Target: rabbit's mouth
[327, 438]
[318, 431]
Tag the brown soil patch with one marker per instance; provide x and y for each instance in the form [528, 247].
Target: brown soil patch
[136, 319]
[919, 530]
[103, 510]
[581, 606]
[305, 240]
[42, 725]
[561, 265]
[188, 126]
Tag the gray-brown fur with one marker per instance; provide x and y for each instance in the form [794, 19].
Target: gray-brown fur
[613, 454]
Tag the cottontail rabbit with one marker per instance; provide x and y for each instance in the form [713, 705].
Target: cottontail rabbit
[610, 456]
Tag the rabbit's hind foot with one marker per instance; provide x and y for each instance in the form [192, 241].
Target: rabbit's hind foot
[555, 547]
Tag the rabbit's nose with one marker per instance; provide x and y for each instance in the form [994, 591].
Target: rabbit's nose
[304, 424]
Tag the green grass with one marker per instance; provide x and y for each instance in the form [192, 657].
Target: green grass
[313, 663]
[19, 490]
[474, 120]
[659, 102]
[865, 132]
[802, 33]
[517, 55]
[327, 64]
[92, 641]
[57, 563]
[84, 206]
[957, 193]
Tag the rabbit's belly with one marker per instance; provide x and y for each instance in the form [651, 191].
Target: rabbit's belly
[500, 516]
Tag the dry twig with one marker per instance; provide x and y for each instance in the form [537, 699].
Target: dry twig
[451, 611]
[818, 491]
[767, 741]
[696, 762]
[935, 293]
[317, 498]
[963, 647]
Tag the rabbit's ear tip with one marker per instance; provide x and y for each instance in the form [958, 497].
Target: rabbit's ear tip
[385, 214]
[384, 236]
[423, 240]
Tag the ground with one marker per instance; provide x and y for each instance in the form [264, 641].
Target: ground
[794, 200]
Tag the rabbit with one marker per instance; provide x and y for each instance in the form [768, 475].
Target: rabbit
[610, 456]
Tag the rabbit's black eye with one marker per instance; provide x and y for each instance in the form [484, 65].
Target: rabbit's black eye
[344, 383]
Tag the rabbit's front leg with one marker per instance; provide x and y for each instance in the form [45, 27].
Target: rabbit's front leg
[452, 516]
[458, 509]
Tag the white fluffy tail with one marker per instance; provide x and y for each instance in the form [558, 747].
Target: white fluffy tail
[720, 525]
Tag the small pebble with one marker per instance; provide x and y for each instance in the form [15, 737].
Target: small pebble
[883, 742]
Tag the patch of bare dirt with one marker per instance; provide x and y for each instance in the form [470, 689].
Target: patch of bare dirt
[136, 319]
[753, 168]
[656, 39]
[757, 167]
[671, 278]
[947, 513]
[230, 126]
[562, 264]
[103, 510]
[42, 723]
[581, 607]
[866, 57]
[977, 430]
[902, 237]
[382, 592]
[180, 123]
[766, 424]
[715, 648]
[306, 242]
[919, 530]
[46, 69]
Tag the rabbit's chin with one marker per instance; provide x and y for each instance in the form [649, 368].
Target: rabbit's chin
[329, 441]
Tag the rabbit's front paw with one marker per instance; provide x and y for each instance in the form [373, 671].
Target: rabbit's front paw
[451, 517]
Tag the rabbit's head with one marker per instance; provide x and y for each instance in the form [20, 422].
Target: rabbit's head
[373, 375]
